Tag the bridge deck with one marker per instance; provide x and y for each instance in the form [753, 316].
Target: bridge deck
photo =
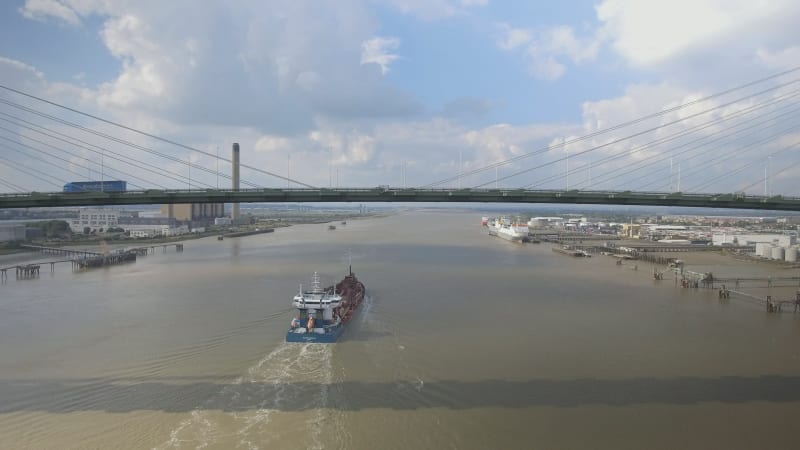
[389, 194]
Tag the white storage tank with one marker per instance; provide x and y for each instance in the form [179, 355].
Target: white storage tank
[791, 254]
[762, 248]
[778, 253]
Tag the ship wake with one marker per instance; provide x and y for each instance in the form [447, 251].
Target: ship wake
[280, 401]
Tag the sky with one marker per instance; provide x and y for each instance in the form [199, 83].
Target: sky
[403, 92]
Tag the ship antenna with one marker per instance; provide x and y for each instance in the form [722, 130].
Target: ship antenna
[350, 261]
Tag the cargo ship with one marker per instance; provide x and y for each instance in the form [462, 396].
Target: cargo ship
[510, 231]
[322, 314]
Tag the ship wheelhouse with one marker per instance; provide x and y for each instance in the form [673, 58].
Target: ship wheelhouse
[317, 301]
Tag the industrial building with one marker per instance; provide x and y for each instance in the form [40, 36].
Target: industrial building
[780, 240]
[94, 218]
[158, 231]
[12, 232]
[191, 212]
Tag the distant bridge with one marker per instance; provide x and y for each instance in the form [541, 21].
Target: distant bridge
[393, 194]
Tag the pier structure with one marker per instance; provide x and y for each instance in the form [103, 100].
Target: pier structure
[146, 250]
[103, 260]
[60, 251]
[775, 306]
[570, 251]
[635, 249]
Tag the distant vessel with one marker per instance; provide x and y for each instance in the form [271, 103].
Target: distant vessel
[331, 227]
[323, 313]
[504, 228]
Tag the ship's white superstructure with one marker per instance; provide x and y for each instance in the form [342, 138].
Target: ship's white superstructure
[317, 299]
[505, 228]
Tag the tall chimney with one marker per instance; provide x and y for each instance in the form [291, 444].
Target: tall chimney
[235, 179]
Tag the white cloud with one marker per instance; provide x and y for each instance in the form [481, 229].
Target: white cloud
[785, 58]
[547, 48]
[510, 38]
[17, 73]
[648, 33]
[435, 9]
[44, 9]
[272, 144]
[276, 66]
[378, 50]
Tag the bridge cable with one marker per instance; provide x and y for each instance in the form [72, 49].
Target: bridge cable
[790, 166]
[740, 168]
[119, 140]
[670, 154]
[747, 148]
[126, 174]
[60, 159]
[656, 142]
[169, 141]
[616, 127]
[14, 187]
[616, 141]
[649, 162]
[103, 151]
[28, 170]
[690, 172]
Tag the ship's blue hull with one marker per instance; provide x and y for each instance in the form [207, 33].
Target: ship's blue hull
[326, 331]
[329, 337]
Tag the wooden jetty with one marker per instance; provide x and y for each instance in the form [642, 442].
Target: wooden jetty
[27, 271]
[60, 251]
[144, 251]
[104, 260]
[775, 306]
[82, 259]
[565, 250]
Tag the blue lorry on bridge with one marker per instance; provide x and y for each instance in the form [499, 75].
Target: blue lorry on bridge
[96, 186]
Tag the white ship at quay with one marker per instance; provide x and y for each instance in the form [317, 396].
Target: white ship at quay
[507, 229]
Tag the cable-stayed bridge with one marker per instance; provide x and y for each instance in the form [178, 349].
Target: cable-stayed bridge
[408, 195]
[705, 152]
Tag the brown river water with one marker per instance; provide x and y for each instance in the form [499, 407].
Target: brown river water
[466, 342]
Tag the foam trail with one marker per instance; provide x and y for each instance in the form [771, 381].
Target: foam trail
[252, 411]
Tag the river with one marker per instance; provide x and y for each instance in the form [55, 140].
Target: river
[466, 341]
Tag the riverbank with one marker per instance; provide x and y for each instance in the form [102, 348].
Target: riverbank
[116, 240]
[765, 277]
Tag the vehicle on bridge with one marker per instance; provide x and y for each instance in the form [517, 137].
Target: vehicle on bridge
[96, 186]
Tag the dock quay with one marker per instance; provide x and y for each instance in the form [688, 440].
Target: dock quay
[671, 248]
[248, 233]
[573, 237]
[565, 250]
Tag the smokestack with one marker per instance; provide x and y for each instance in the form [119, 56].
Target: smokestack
[235, 179]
